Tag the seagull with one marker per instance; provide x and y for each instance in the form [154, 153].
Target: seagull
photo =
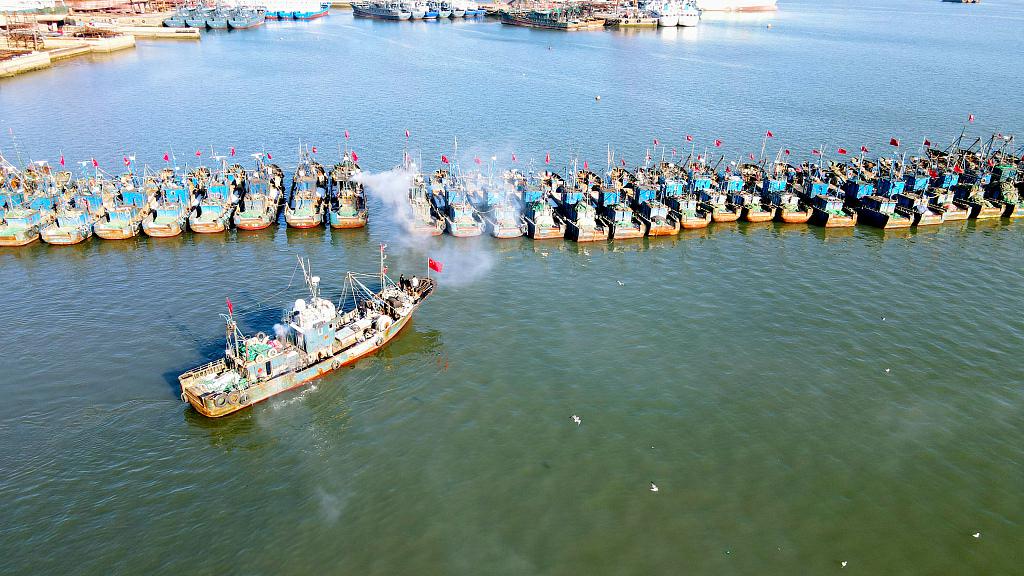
[883, 318]
[544, 254]
[620, 282]
[654, 487]
[843, 563]
[598, 98]
[976, 534]
[886, 370]
[577, 419]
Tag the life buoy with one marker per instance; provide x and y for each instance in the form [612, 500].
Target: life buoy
[336, 364]
[220, 400]
[274, 353]
[233, 397]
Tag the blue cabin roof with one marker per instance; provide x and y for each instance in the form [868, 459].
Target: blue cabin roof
[946, 180]
[888, 187]
[770, 185]
[674, 188]
[818, 189]
[699, 182]
[220, 191]
[916, 182]
[609, 197]
[72, 219]
[12, 199]
[858, 189]
[178, 195]
[134, 197]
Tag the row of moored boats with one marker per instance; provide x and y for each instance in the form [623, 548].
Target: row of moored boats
[417, 9]
[40, 204]
[240, 17]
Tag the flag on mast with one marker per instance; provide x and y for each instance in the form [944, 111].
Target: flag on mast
[434, 265]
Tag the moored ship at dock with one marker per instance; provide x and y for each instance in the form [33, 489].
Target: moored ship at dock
[347, 199]
[317, 337]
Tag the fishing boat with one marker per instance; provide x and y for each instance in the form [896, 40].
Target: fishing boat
[316, 336]
[459, 8]
[217, 19]
[542, 220]
[504, 206]
[829, 209]
[873, 209]
[941, 198]
[971, 197]
[644, 190]
[388, 10]
[474, 10]
[683, 205]
[20, 226]
[124, 219]
[444, 8]
[305, 208]
[348, 200]
[666, 12]
[716, 198]
[421, 218]
[911, 195]
[215, 209]
[177, 20]
[778, 194]
[567, 19]
[417, 9]
[196, 18]
[577, 212]
[752, 205]
[310, 10]
[433, 10]
[1003, 190]
[614, 212]
[72, 226]
[169, 214]
[451, 204]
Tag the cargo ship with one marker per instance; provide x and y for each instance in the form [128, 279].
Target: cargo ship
[316, 337]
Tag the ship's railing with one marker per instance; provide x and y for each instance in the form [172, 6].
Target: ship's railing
[202, 371]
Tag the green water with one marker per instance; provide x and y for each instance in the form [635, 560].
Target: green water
[800, 397]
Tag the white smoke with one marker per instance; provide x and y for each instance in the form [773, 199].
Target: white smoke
[464, 260]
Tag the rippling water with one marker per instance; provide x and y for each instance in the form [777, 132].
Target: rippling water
[741, 368]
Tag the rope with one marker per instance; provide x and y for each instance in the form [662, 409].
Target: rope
[259, 307]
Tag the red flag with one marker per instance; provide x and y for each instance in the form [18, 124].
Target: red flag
[167, 157]
[95, 164]
[547, 158]
[957, 169]
[585, 165]
[816, 152]
[769, 134]
[407, 133]
[355, 157]
[61, 159]
[231, 309]
[933, 173]
[623, 160]
[346, 134]
[689, 138]
[127, 162]
[673, 151]
[444, 159]
[841, 150]
[718, 143]
[991, 162]
[970, 118]
[894, 142]
[477, 160]
[751, 155]
[199, 153]
[269, 157]
[655, 141]
[232, 150]
[513, 156]
[314, 149]
[927, 142]
[787, 151]
[864, 149]
[434, 265]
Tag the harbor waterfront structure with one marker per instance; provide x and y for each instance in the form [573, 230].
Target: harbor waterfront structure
[982, 180]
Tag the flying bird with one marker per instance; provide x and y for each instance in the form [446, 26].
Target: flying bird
[577, 419]
[843, 563]
[654, 487]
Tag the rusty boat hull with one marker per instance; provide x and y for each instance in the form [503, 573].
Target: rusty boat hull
[794, 216]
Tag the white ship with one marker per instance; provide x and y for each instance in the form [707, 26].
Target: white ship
[737, 5]
[689, 15]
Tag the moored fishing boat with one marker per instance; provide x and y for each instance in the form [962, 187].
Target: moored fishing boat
[648, 203]
[213, 212]
[689, 14]
[568, 19]
[827, 204]
[451, 204]
[169, 215]
[542, 220]
[752, 206]
[504, 206]
[1004, 191]
[310, 10]
[680, 195]
[388, 10]
[20, 226]
[613, 209]
[245, 18]
[348, 200]
[716, 197]
[72, 226]
[305, 208]
[578, 213]
[217, 19]
[913, 202]
[421, 218]
[317, 336]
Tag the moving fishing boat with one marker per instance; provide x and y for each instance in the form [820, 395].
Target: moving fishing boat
[348, 201]
[316, 336]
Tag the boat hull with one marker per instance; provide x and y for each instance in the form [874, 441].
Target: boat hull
[757, 215]
[255, 394]
[544, 232]
[260, 223]
[981, 210]
[882, 220]
[162, 230]
[794, 216]
[1013, 210]
[625, 232]
[577, 234]
[929, 218]
[207, 226]
[694, 221]
[663, 228]
[18, 239]
[951, 212]
[65, 237]
[504, 232]
[722, 215]
[345, 222]
[123, 233]
[832, 220]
